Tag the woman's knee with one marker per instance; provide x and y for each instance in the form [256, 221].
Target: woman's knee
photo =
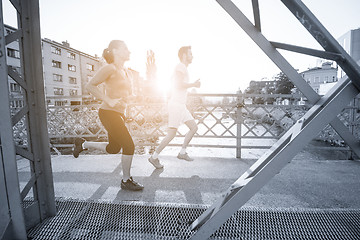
[129, 149]
[112, 149]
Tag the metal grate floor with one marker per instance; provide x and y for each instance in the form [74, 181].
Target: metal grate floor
[136, 220]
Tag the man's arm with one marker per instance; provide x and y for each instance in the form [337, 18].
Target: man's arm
[181, 84]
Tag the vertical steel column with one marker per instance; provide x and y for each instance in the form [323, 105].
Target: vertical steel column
[33, 113]
[11, 213]
[42, 179]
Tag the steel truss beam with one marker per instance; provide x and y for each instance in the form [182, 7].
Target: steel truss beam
[37, 150]
[285, 66]
[12, 223]
[324, 111]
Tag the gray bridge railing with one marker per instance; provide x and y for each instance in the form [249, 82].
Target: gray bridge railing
[239, 121]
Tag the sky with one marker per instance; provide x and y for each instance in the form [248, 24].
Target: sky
[225, 58]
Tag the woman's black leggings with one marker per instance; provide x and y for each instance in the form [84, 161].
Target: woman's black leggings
[118, 134]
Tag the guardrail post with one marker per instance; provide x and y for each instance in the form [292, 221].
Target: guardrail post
[239, 120]
[354, 107]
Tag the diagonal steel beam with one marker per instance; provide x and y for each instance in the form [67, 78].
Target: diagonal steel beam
[324, 38]
[289, 71]
[13, 36]
[269, 49]
[16, 4]
[308, 51]
[277, 157]
[324, 110]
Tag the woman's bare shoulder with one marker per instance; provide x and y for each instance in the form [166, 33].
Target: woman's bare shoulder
[108, 68]
[103, 74]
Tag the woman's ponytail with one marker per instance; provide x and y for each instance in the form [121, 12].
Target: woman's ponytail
[108, 55]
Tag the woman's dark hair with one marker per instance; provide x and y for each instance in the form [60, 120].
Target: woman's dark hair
[183, 50]
[108, 52]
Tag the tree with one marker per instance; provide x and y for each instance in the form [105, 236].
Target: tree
[283, 84]
[254, 88]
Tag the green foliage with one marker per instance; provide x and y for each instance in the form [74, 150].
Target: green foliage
[283, 84]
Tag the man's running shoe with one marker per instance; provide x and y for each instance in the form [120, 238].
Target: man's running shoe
[131, 185]
[185, 156]
[155, 162]
[78, 147]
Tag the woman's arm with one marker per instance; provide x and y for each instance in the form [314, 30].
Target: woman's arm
[100, 77]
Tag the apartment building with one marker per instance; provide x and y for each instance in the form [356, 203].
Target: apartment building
[323, 78]
[320, 75]
[350, 41]
[66, 71]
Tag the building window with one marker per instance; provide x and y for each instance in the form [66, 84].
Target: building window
[72, 80]
[73, 92]
[59, 103]
[13, 53]
[15, 87]
[326, 79]
[317, 80]
[56, 50]
[58, 91]
[89, 78]
[72, 68]
[57, 78]
[56, 64]
[90, 67]
[71, 55]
